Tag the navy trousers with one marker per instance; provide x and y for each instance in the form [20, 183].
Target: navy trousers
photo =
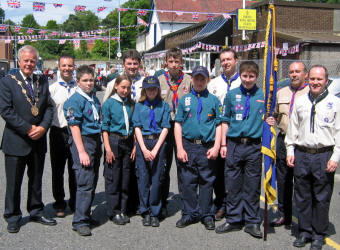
[243, 177]
[86, 179]
[150, 176]
[313, 190]
[117, 176]
[197, 177]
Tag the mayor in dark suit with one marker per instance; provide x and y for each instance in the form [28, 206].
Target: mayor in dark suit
[26, 107]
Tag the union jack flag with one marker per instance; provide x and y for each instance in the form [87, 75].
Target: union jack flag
[101, 9]
[122, 9]
[58, 5]
[195, 16]
[210, 17]
[17, 29]
[62, 41]
[42, 31]
[37, 6]
[54, 33]
[30, 31]
[141, 13]
[140, 21]
[79, 8]
[13, 3]
[226, 16]
[3, 27]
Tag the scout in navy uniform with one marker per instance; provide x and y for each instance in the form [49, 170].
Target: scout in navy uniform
[119, 150]
[151, 120]
[241, 145]
[82, 112]
[197, 134]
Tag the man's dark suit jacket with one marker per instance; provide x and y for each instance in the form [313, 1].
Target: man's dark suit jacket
[16, 111]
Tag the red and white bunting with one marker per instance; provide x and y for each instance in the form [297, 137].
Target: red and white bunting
[100, 9]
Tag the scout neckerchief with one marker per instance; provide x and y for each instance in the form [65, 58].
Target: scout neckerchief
[200, 106]
[174, 89]
[91, 100]
[68, 86]
[314, 102]
[32, 99]
[126, 116]
[229, 81]
[294, 91]
[133, 81]
[248, 93]
[152, 118]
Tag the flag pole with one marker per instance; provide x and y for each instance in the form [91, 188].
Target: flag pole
[265, 224]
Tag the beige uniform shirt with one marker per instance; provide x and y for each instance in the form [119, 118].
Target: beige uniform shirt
[59, 95]
[166, 93]
[326, 125]
[283, 101]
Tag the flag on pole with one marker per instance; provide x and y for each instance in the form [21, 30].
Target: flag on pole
[141, 13]
[140, 21]
[79, 8]
[100, 9]
[58, 5]
[37, 6]
[269, 89]
[13, 4]
[195, 16]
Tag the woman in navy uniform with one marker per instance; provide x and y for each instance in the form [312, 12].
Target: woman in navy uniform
[119, 150]
[82, 112]
[198, 135]
[151, 120]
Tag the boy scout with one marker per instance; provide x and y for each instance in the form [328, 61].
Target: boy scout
[197, 134]
[242, 126]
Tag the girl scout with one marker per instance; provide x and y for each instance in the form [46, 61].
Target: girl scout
[119, 150]
[82, 112]
[151, 120]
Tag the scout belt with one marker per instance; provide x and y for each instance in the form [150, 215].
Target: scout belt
[245, 140]
[151, 137]
[314, 150]
[119, 136]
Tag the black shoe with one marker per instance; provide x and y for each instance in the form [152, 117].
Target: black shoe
[13, 227]
[83, 230]
[254, 230]
[44, 220]
[226, 228]
[183, 222]
[154, 222]
[317, 244]
[118, 220]
[209, 223]
[146, 221]
[280, 221]
[300, 241]
[125, 218]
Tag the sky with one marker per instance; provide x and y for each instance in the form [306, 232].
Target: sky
[57, 14]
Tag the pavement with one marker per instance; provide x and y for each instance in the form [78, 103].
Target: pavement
[133, 235]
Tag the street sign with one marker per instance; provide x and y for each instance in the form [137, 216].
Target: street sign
[246, 19]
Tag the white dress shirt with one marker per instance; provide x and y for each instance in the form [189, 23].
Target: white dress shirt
[218, 87]
[59, 95]
[326, 125]
[137, 84]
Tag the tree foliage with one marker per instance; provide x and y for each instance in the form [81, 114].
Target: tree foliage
[30, 22]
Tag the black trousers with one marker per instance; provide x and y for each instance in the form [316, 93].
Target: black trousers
[15, 169]
[313, 190]
[219, 184]
[117, 176]
[60, 154]
[284, 177]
